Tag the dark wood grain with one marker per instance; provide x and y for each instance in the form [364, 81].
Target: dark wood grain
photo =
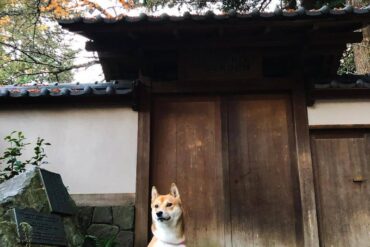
[342, 171]
[186, 149]
[234, 160]
[305, 172]
[142, 172]
[260, 159]
[340, 126]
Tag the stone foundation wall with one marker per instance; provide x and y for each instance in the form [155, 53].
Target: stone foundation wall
[109, 221]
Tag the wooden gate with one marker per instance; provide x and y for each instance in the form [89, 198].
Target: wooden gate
[234, 161]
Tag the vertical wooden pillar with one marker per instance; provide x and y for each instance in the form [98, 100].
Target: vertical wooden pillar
[142, 172]
[305, 171]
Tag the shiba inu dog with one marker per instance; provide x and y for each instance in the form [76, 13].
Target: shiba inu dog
[167, 218]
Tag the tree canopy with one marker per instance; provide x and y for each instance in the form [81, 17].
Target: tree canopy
[33, 47]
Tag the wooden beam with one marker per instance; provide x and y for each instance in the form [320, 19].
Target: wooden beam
[219, 86]
[305, 171]
[339, 126]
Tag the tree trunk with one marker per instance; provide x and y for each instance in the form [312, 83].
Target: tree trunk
[362, 53]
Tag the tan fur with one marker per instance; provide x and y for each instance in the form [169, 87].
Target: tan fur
[168, 230]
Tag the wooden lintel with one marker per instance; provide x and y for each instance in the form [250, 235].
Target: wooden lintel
[219, 86]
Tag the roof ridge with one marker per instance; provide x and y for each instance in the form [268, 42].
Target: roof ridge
[209, 15]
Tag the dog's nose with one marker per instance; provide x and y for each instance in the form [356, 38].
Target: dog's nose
[159, 214]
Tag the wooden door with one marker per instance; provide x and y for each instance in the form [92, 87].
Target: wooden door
[262, 189]
[342, 171]
[234, 163]
[186, 149]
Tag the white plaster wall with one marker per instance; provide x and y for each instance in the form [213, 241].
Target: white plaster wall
[94, 149]
[333, 112]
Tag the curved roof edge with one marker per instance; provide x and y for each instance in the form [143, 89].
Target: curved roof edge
[67, 90]
[278, 14]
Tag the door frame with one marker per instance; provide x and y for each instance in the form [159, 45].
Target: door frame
[294, 86]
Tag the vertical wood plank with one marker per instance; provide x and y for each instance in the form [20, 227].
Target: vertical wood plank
[142, 171]
[305, 172]
[261, 158]
[226, 170]
[344, 205]
[164, 144]
[187, 150]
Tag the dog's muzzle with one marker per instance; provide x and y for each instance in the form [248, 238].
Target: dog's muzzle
[161, 219]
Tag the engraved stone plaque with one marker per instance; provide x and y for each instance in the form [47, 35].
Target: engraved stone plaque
[46, 229]
[58, 197]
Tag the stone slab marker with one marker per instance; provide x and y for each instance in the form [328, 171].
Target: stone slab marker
[25, 198]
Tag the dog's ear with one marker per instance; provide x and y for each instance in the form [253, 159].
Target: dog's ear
[174, 191]
[154, 193]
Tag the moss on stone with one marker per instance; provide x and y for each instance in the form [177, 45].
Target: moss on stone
[32, 195]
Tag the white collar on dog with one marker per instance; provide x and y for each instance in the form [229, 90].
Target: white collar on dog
[181, 242]
[174, 244]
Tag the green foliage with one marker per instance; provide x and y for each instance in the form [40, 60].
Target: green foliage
[33, 47]
[330, 3]
[27, 232]
[199, 4]
[12, 155]
[347, 62]
[245, 5]
[102, 242]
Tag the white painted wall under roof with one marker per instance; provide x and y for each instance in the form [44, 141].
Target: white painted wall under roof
[333, 112]
[94, 149]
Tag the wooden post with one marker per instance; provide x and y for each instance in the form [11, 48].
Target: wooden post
[305, 171]
[142, 173]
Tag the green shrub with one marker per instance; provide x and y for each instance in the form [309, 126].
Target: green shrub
[12, 155]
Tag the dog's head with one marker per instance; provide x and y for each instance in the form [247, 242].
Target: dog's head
[166, 208]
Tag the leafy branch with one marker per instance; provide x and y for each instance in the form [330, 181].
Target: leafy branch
[12, 155]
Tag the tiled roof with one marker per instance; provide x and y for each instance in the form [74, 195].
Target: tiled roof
[344, 82]
[278, 14]
[66, 90]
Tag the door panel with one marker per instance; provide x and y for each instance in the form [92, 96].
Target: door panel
[340, 157]
[262, 191]
[187, 149]
[233, 159]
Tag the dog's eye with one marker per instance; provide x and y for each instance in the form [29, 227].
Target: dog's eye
[156, 206]
[169, 204]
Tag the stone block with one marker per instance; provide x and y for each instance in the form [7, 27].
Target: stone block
[85, 217]
[103, 215]
[125, 239]
[104, 231]
[124, 216]
[27, 190]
